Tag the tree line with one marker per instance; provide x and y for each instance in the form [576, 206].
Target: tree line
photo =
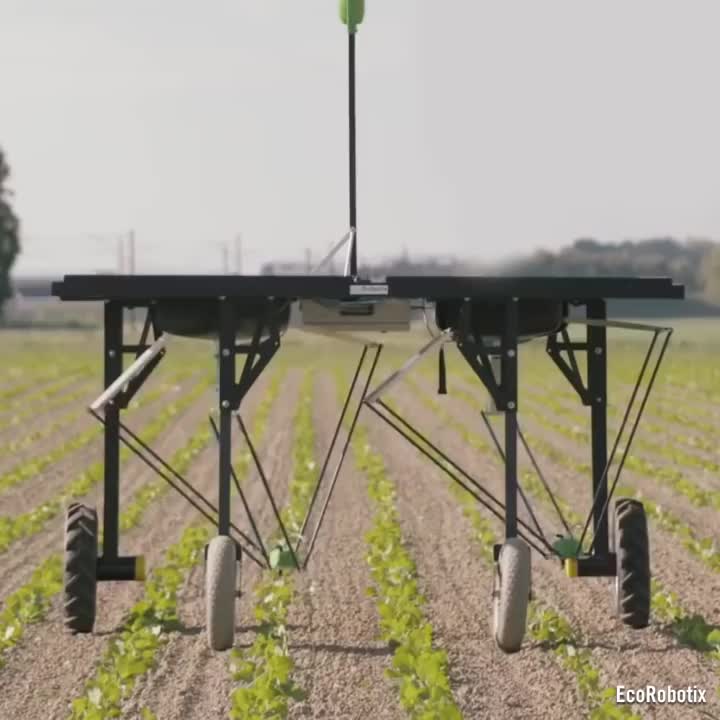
[694, 263]
[9, 233]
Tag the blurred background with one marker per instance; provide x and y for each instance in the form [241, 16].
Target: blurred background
[524, 138]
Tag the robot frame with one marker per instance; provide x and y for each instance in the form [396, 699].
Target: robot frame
[485, 317]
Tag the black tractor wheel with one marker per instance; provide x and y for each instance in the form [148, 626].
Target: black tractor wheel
[632, 584]
[80, 580]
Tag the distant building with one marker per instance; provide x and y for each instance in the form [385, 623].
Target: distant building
[284, 267]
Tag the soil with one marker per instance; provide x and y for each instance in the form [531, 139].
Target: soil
[340, 661]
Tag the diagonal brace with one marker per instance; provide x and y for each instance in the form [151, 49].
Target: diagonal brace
[266, 485]
[239, 489]
[454, 472]
[346, 445]
[141, 446]
[657, 331]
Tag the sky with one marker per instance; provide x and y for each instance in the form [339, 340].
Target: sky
[485, 129]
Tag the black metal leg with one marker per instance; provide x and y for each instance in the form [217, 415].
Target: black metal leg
[597, 392]
[226, 359]
[509, 384]
[111, 471]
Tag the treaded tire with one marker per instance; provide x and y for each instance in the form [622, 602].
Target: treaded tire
[511, 594]
[80, 571]
[632, 584]
[220, 592]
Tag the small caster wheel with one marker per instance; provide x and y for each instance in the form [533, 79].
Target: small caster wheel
[632, 582]
[511, 594]
[80, 570]
[220, 592]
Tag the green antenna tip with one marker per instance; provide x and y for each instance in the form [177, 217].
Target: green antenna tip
[352, 13]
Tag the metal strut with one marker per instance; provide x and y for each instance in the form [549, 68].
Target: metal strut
[332, 446]
[141, 447]
[479, 493]
[348, 438]
[536, 467]
[352, 152]
[264, 481]
[657, 331]
[239, 489]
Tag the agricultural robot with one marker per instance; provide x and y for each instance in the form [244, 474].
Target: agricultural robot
[487, 318]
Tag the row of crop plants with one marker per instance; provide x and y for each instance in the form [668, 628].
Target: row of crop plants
[150, 623]
[573, 425]
[682, 411]
[32, 433]
[704, 548]
[25, 525]
[677, 397]
[31, 602]
[565, 403]
[546, 624]
[30, 468]
[47, 397]
[263, 673]
[685, 401]
[690, 628]
[31, 375]
[672, 477]
[419, 669]
[685, 371]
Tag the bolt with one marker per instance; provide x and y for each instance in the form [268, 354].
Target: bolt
[515, 299]
[226, 352]
[598, 351]
[111, 353]
[598, 399]
[225, 404]
[222, 297]
[511, 353]
[511, 405]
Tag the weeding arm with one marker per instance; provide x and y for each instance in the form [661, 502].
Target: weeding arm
[132, 372]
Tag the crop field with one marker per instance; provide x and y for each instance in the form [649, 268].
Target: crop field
[392, 618]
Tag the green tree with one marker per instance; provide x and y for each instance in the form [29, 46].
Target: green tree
[9, 233]
[711, 275]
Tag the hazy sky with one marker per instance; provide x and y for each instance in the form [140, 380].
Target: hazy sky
[485, 128]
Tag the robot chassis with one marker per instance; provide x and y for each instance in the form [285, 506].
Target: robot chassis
[487, 318]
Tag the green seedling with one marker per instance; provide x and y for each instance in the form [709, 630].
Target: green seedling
[155, 616]
[566, 547]
[282, 558]
[264, 671]
[419, 669]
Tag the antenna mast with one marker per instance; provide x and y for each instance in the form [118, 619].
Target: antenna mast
[351, 13]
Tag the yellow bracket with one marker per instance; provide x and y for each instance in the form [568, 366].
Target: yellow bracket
[140, 567]
[571, 567]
